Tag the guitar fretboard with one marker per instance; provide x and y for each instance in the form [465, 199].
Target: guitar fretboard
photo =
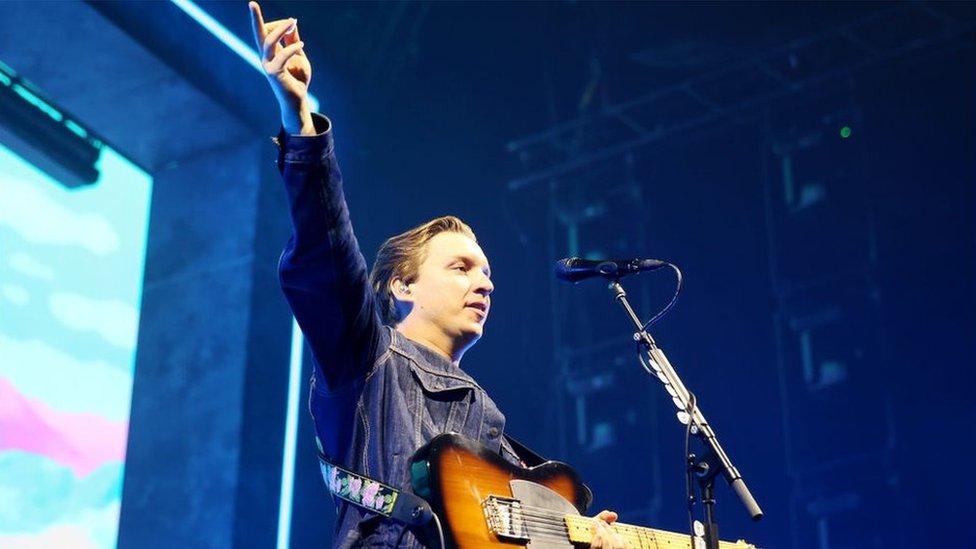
[581, 531]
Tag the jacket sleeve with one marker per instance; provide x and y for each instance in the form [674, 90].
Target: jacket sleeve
[322, 271]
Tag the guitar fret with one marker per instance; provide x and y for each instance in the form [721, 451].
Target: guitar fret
[634, 532]
[579, 530]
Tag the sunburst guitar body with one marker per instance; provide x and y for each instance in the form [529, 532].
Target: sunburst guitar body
[485, 501]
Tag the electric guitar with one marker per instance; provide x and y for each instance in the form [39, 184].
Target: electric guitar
[484, 501]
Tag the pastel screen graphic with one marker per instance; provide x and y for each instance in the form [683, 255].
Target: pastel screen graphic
[71, 269]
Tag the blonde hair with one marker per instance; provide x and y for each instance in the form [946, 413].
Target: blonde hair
[400, 257]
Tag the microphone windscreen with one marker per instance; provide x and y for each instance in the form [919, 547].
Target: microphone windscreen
[563, 269]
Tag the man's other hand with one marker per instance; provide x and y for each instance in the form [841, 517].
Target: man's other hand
[605, 537]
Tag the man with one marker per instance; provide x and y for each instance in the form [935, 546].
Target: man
[387, 346]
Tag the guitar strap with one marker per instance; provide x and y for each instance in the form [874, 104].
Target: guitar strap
[377, 497]
[374, 496]
[530, 458]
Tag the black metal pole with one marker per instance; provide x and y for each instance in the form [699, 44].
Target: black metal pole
[708, 503]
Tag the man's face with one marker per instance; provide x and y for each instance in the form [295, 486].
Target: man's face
[451, 292]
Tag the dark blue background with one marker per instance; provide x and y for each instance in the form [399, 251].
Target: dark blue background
[870, 449]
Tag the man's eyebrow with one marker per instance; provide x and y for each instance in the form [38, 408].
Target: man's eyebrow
[467, 259]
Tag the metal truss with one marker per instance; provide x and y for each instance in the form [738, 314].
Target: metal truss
[737, 91]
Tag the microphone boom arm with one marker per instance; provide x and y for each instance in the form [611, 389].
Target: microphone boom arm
[666, 373]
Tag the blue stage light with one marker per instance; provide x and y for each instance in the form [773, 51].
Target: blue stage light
[291, 438]
[236, 45]
[250, 55]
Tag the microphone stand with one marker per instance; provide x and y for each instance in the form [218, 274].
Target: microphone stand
[715, 461]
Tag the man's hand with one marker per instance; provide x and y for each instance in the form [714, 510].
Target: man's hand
[286, 67]
[603, 535]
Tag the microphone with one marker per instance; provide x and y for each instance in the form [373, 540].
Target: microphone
[574, 269]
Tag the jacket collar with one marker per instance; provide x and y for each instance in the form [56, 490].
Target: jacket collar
[426, 358]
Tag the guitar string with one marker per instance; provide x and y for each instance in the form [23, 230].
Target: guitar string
[551, 526]
[634, 537]
[561, 517]
[551, 521]
[559, 521]
[637, 535]
[648, 533]
[545, 523]
[545, 530]
[536, 533]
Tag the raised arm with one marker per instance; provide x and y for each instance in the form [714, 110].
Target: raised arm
[323, 273]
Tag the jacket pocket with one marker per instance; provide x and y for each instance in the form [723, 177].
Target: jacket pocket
[441, 403]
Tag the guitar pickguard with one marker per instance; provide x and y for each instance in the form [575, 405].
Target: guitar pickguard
[536, 496]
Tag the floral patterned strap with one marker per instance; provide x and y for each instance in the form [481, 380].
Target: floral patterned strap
[362, 491]
[374, 496]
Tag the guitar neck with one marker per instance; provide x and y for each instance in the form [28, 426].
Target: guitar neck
[580, 531]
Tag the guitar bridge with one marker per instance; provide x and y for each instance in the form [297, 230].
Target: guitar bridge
[504, 518]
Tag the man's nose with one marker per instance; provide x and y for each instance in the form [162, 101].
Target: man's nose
[485, 286]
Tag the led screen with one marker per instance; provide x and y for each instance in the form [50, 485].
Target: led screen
[71, 266]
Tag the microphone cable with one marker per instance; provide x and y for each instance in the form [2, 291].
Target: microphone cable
[674, 298]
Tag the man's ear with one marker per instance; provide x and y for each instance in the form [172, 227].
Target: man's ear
[404, 300]
[401, 291]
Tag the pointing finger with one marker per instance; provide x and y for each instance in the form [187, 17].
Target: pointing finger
[257, 24]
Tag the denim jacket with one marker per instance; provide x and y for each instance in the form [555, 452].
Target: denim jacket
[376, 396]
